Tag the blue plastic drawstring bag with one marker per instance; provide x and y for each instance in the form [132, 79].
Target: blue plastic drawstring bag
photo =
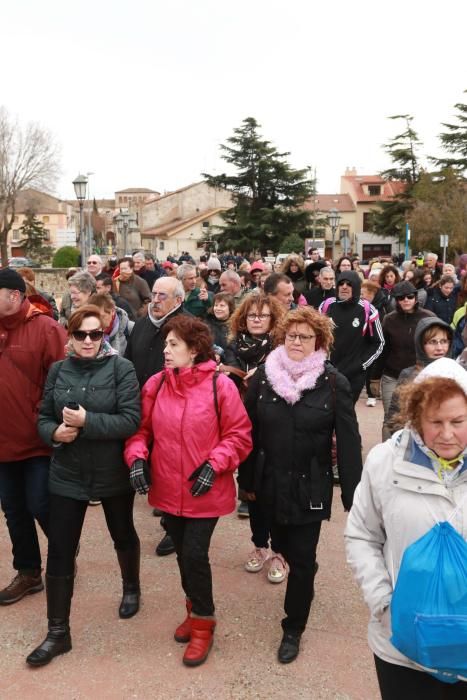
[429, 604]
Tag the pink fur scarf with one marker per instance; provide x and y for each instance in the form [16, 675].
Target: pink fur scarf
[289, 378]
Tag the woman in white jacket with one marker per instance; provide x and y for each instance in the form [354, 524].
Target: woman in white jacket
[417, 476]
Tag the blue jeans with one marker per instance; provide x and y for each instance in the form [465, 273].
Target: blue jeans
[24, 496]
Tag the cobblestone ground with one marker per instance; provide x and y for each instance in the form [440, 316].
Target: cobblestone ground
[138, 658]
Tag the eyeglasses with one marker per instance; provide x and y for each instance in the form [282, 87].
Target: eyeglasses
[262, 317]
[341, 284]
[292, 337]
[92, 262]
[162, 295]
[406, 296]
[434, 342]
[81, 336]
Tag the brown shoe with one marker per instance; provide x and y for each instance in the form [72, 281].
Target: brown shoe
[24, 583]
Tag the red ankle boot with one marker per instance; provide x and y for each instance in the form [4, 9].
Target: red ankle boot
[183, 632]
[202, 631]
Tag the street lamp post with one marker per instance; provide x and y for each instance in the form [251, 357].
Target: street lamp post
[125, 222]
[333, 220]
[80, 183]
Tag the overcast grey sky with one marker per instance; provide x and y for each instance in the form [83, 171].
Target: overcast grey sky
[141, 93]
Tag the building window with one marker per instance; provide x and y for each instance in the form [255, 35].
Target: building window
[15, 236]
[45, 219]
[374, 190]
[343, 231]
[161, 245]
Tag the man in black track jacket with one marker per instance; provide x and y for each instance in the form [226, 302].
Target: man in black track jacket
[358, 337]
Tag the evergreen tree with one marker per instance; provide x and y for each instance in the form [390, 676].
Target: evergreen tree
[34, 236]
[293, 243]
[454, 140]
[390, 218]
[268, 193]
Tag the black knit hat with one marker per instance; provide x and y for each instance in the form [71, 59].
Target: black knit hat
[10, 279]
[402, 288]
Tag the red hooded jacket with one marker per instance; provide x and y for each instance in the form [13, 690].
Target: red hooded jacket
[179, 417]
[30, 342]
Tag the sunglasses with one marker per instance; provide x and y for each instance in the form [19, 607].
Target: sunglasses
[406, 296]
[81, 336]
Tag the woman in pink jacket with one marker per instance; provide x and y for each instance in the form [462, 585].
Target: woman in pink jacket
[200, 432]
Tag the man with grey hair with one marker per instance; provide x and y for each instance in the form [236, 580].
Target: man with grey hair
[146, 345]
[142, 269]
[231, 283]
[197, 299]
[431, 262]
[324, 289]
[94, 264]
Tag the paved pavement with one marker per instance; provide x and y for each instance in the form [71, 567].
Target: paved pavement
[121, 659]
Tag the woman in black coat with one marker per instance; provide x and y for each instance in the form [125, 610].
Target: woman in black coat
[90, 406]
[295, 402]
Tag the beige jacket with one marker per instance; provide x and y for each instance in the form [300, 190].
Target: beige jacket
[395, 504]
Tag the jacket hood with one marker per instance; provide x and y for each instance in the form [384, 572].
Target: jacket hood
[354, 280]
[422, 326]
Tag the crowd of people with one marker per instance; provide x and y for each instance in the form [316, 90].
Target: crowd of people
[168, 379]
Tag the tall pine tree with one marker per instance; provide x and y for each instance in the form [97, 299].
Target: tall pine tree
[390, 219]
[454, 140]
[268, 193]
[34, 238]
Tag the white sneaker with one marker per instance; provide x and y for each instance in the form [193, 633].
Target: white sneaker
[278, 569]
[371, 402]
[257, 559]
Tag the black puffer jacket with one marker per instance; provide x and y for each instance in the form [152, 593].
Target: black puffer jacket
[146, 346]
[290, 465]
[91, 467]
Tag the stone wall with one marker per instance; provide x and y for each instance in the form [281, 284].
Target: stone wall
[51, 280]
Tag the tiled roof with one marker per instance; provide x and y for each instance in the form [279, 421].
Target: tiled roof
[41, 202]
[325, 202]
[170, 229]
[355, 185]
[137, 190]
[181, 189]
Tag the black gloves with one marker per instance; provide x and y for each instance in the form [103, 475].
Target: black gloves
[140, 478]
[204, 476]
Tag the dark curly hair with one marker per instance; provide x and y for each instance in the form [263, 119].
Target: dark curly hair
[194, 332]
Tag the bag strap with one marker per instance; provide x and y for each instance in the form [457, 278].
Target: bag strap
[453, 514]
[216, 402]
[232, 370]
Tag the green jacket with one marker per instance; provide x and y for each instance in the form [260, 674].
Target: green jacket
[91, 467]
[195, 306]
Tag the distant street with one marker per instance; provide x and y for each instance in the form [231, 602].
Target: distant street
[120, 659]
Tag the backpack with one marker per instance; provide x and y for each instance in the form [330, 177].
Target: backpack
[429, 603]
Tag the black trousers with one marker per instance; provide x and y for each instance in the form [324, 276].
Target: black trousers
[402, 683]
[191, 538]
[66, 522]
[357, 382]
[297, 544]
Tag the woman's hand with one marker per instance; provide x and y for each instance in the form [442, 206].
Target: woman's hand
[249, 495]
[74, 419]
[65, 433]
[248, 375]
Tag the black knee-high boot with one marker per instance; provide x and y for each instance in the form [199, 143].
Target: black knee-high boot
[58, 641]
[129, 566]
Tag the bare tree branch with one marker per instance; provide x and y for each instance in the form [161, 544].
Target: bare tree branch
[29, 158]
